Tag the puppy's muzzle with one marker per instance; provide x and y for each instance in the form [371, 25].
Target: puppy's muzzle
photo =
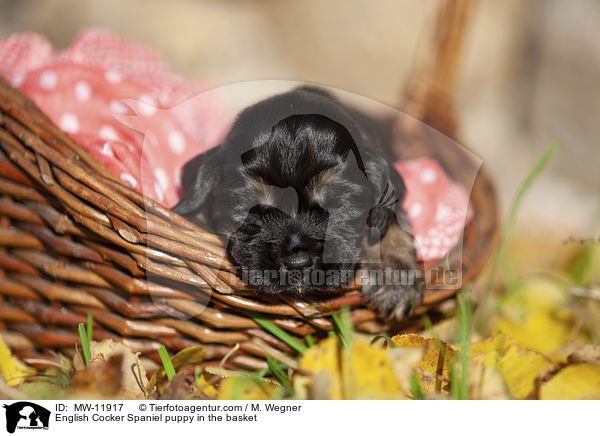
[299, 260]
[300, 252]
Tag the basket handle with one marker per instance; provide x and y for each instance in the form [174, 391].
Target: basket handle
[428, 96]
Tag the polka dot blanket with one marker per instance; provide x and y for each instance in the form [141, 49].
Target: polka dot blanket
[117, 100]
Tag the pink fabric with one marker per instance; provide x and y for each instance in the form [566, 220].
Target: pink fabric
[437, 207]
[118, 101]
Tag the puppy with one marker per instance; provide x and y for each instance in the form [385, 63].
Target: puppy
[304, 200]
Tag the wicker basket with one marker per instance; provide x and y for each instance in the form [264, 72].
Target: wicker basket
[74, 240]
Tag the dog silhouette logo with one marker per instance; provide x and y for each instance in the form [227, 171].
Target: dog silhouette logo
[26, 415]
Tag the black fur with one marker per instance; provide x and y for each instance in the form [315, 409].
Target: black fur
[301, 185]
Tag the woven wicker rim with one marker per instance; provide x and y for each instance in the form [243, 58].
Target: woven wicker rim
[75, 240]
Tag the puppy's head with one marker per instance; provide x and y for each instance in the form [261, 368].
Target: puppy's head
[293, 203]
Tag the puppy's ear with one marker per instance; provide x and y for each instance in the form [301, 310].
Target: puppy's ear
[199, 177]
[389, 192]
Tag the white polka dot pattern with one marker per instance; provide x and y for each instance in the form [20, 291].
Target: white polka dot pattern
[107, 132]
[176, 142]
[48, 80]
[437, 207]
[113, 76]
[117, 108]
[147, 105]
[129, 180]
[83, 91]
[69, 123]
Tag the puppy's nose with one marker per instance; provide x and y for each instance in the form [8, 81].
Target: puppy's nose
[299, 260]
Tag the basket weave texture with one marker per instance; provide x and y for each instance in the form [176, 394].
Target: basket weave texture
[74, 240]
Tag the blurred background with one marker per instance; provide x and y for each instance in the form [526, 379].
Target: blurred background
[528, 73]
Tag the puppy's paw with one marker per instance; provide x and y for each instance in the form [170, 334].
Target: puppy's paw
[393, 302]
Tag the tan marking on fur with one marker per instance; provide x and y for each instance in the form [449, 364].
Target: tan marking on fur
[315, 187]
[263, 189]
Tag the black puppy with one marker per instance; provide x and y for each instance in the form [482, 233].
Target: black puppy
[303, 198]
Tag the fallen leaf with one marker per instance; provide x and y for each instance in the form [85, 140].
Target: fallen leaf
[209, 390]
[519, 366]
[12, 369]
[186, 357]
[545, 331]
[580, 381]
[323, 362]
[536, 315]
[433, 370]
[358, 371]
[132, 373]
[245, 388]
[367, 373]
[184, 387]
[102, 379]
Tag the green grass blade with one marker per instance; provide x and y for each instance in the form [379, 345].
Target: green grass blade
[429, 325]
[167, 362]
[415, 388]
[533, 174]
[260, 373]
[85, 344]
[341, 323]
[65, 363]
[465, 326]
[584, 266]
[278, 332]
[90, 326]
[510, 222]
[387, 338]
[279, 374]
[309, 340]
[197, 375]
[58, 380]
[456, 385]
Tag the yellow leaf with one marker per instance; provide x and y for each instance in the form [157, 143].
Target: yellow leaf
[323, 362]
[544, 330]
[364, 372]
[580, 381]
[209, 390]
[368, 374]
[12, 370]
[520, 367]
[244, 388]
[433, 370]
